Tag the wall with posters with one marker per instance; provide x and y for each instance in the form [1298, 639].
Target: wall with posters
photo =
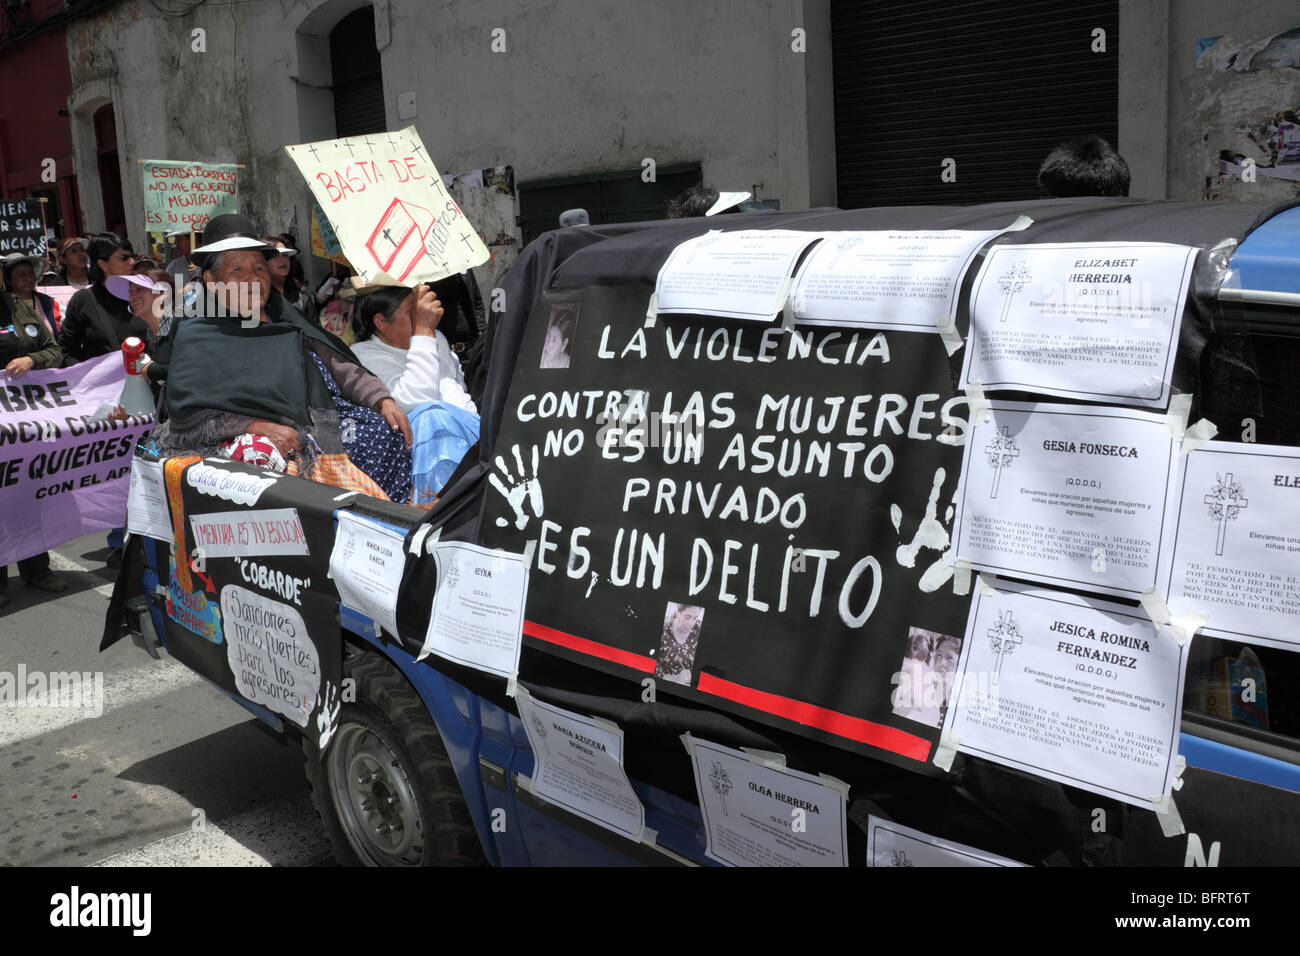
[629, 83]
[1183, 103]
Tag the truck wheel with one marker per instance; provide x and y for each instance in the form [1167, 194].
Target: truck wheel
[385, 789]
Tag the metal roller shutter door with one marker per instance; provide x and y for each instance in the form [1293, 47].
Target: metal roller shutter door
[992, 84]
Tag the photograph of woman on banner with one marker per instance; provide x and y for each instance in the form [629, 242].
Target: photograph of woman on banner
[246, 365]
[926, 677]
[681, 639]
[557, 347]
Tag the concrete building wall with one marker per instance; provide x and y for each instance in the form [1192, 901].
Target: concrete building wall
[1176, 114]
[589, 87]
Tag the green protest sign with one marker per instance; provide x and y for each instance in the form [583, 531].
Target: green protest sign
[181, 195]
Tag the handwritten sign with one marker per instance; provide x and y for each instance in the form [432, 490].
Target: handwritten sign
[323, 241]
[234, 534]
[22, 227]
[234, 486]
[180, 195]
[390, 211]
[270, 653]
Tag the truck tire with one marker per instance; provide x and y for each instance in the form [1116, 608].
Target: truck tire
[385, 789]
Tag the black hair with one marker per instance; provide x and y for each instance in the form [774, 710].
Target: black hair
[1085, 166]
[10, 266]
[102, 246]
[695, 201]
[383, 302]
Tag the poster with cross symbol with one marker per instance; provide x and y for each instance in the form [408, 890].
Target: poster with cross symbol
[391, 214]
[1226, 501]
[1002, 451]
[1233, 553]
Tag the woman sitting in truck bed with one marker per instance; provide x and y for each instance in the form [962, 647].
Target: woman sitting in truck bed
[250, 365]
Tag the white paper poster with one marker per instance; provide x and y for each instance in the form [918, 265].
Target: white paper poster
[740, 275]
[1071, 495]
[1077, 690]
[757, 814]
[239, 534]
[366, 566]
[1234, 548]
[146, 501]
[578, 765]
[886, 279]
[894, 845]
[477, 617]
[1096, 321]
[268, 649]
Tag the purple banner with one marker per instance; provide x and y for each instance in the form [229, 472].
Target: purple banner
[62, 473]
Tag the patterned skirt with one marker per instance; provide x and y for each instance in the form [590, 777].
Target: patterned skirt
[373, 447]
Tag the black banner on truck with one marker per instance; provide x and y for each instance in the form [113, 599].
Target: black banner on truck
[754, 518]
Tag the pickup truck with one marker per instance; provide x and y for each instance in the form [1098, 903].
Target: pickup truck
[427, 762]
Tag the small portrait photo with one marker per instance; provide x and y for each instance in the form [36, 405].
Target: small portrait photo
[925, 680]
[681, 638]
[557, 347]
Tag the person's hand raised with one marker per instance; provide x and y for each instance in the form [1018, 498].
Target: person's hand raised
[426, 312]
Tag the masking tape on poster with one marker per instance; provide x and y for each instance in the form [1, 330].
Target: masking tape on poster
[946, 750]
[1171, 824]
[947, 327]
[961, 577]
[978, 404]
[765, 758]
[1181, 628]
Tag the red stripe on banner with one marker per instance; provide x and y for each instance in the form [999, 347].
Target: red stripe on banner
[637, 662]
[842, 725]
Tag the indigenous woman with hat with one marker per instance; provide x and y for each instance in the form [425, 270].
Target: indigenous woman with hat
[248, 365]
[98, 322]
[25, 344]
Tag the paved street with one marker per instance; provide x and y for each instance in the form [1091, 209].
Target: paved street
[123, 788]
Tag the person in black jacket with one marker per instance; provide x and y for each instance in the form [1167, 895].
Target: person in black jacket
[98, 322]
[26, 344]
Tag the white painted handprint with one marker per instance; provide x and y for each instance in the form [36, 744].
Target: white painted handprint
[327, 720]
[526, 491]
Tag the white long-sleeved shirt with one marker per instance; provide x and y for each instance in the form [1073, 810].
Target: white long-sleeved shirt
[426, 372]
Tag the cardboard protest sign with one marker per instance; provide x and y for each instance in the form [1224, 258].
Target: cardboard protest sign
[181, 195]
[390, 211]
[62, 474]
[22, 227]
[323, 241]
